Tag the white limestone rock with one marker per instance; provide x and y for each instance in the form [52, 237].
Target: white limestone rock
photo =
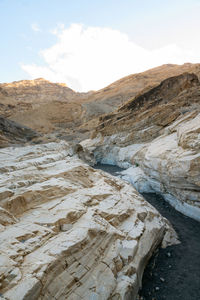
[69, 231]
[137, 178]
[169, 164]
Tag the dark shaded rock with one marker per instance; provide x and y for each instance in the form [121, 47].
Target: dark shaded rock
[14, 133]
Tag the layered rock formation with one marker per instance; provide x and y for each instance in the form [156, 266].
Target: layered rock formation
[54, 108]
[111, 97]
[70, 232]
[157, 136]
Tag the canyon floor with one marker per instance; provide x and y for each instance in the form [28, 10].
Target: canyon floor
[178, 265]
[173, 273]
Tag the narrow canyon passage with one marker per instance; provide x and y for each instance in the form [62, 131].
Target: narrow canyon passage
[172, 273]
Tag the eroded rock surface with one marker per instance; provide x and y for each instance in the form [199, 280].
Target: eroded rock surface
[156, 136]
[68, 231]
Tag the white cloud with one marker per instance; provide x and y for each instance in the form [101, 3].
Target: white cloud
[89, 58]
[35, 27]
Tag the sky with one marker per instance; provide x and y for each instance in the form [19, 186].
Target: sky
[89, 44]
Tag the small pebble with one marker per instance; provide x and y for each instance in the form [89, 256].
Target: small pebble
[157, 288]
[162, 279]
[168, 254]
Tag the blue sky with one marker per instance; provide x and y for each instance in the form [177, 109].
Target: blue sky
[35, 38]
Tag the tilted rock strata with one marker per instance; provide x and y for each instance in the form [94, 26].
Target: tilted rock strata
[157, 135]
[70, 232]
[119, 92]
[54, 108]
[144, 117]
[173, 170]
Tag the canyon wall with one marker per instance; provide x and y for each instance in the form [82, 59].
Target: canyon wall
[156, 136]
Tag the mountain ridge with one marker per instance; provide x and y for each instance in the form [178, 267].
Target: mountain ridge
[55, 109]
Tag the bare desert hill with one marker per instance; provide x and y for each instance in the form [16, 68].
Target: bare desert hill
[55, 109]
[128, 87]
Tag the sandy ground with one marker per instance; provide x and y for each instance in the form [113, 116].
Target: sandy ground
[172, 273]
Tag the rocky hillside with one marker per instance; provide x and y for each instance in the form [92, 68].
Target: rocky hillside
[14, 133]
[40, 104]
[55, 109]
[157, 136]
[146, 115]
[27, 95]
[119, 92]
[70, 232]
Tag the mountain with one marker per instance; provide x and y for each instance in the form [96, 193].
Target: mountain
[39, 104]
[108, 99]
[55, 109]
